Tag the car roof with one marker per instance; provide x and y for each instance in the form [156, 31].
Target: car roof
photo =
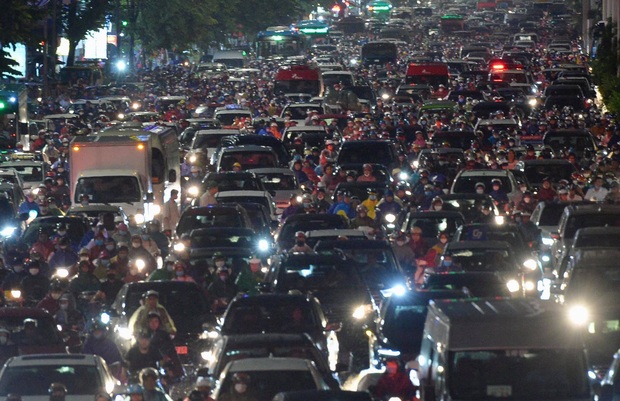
[462, 245]
[220, 207]
[258, 364]
[594, 208]
[491, 173]
[52, 359]
[272, 170]
[23, 312]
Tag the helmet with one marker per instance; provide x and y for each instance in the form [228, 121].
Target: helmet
[496, 181]
[135, 389]
[241, 377]
[218, 255]
[148, 372]
[362, 208]
[97, 325]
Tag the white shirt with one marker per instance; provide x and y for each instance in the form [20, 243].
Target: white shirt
[595, 195]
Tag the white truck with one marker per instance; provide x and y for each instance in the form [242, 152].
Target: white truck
[114, 170]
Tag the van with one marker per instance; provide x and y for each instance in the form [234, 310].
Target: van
[231, 58]
[501, 348]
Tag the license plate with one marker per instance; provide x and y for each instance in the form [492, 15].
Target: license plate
[181, 350]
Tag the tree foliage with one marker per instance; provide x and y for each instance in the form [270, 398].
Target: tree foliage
[18, 18]
[605, 67]
[77, 18]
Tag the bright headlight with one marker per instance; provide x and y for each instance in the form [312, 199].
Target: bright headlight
[499, 220]
[263, 245]
[361, 311]
[124, 333]
[416, 164]
[193, 191]
[179, 247]
[139, 218]
[530, 264]
[299, 199]
[385, 96]
[104, 318]
[135, 105]
[547, 241]
[397, 290]
[533, 102]
[207, 355]
[120, 116]
[193, 158]
[390, 218]
[62, 272]
[513, 285]
[140, 264]
[403, 176]
[156, 209]
[579, 314]
[16, 293]
[529, 286]
[546, 258]
[7, 231]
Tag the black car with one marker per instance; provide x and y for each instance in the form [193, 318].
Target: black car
[285, 235]
[338, 286]
[186, 304]
[229, 238]
[260, 140]
[227, 181]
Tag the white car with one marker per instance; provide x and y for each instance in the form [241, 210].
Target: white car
[30, 376]
[31, 172]
[466, 180]
[261, 197]
[270, 376]
[281, 183]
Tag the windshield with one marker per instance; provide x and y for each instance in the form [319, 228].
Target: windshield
[190, 221]
[43, 332]
[260, 200]
[518, 374]
[299, 350]
[403, 326]
[298, 86]
[556, 172]
[432, 226]
[265, 384]
[248, 160]
[109, 189]
[481, 260]
[605, 240]
[229, 118]
[227, 182]
[467, 183]
[360, 152]
[309, 277]
[28, 173]
[378, 268]
[551, 215]
[207, 140]
[469, 208]
[271, 317]
[568, 141]
[36, 380]
[222, 239]
[330, 79]
[278, 182]
[300, 113]
[576, 222]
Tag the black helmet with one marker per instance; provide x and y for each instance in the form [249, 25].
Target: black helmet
[195, 395]
[98, 325]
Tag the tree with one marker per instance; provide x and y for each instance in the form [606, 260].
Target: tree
[18, 19]
[605, 67]
[78, 17]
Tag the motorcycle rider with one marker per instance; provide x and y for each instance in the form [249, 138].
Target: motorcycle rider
[394, 383]
[139, 320]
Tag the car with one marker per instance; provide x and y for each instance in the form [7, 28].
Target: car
[198, 124]
[468, 205]
[11, 176]
[31, 376]
[261, 197]
[343, 294]
[354, 153]
[362, 189]
[76, 228]
[224, 215]
[397, 331]
[285, 234]
[234, 347]
[578, 140]
[226, 181]
[225, 238]
[260, 217]
[432, 223]
[281, 183]
[270, 376]
[273, 313]
[466, 180]
[299, 111]
[32, 172]
[204, 144]
[248, 156]
[228, 115]
[454, 139]
[610, 385]
[554, 169]
[259, 140]
[309, 136]
[186, 304]
[94, 212]
[441, 160]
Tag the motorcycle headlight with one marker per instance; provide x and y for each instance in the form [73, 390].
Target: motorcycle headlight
[135, 105]
[120, 116]
[8, 231]
[140, 264]
[193, 158]
[361, 311]
[533, 102]
[547, 241]
[124, 333]
[139, 218]
[16, 294]
[390, 218]
[179, 247]
[207, 355]
[104, 318]
[499, 220]
[156, 209]
[263, 245]
[579, 315]
[398, 290]
[513, 285]
[299, 199]
[529, 286]
[385, 96]
[530, 264]
[403, 176]
[62, 272]
[193, 191]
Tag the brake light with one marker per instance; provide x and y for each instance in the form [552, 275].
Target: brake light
[498, 67]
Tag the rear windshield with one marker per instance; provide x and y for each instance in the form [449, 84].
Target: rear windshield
[36, 380]
[574, 223]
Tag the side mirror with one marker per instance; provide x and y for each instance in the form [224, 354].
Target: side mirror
[333, 326]
[172, 176]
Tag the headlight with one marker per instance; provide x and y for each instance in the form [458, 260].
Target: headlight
[120, 116]
[139, 218]
[530, 264]
[533, 102]
[529, 286]
[124, 333]
[397, 290]
[390, 218]
[547, 241]
[207, 355]
[104, 318]
[395, 399]
[193, 191]
[179, 247]
[33, 214]
[16, 294]
[513, 285]
[135, 105]
[403, 176]
[140, 264]
[263, 245]
[62, 272]
[7, 231]
[545, 258]
[385, 96]
[299, 199]
[192, 159]
[353, 61]
[499, 220]
[361, 311]
[579, 314]
[156, 209]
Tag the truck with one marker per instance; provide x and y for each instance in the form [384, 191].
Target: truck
[517, 349]
[114, 170]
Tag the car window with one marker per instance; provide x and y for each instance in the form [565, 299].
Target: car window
[467, 183]
[576, 222]
[36, 380]
[265, 384]
[191, 221]
[275, 317]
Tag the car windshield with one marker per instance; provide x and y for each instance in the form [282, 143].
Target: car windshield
[269, 317]
[232, 182]
[28, 173]
[360, 152]
[484, 233]
[36, 380]
[207, 140]
[41, 332]
[278, 182]
[557, 142]
[494, 260]
[265, 384]
[378, 268]
[109, 189]
[518, 374]
[551, 214]
[260, 200]
[469, 208]
[403, 326]
[248, 160]
[433, 226]
[576, 222]
[190, 221]
[556, 172]
[76, 229]
[467, 183]
[222, 239]
[245, 351]
[603, 240]
[230, 118]
[309, 276]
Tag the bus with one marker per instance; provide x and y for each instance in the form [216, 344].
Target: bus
[380, 9]
[379, 53]
[298, 79]
[280, 43]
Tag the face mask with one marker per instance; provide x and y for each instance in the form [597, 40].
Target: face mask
[223, 277]
[109, 247]
[136, 244]
[438, 207]
[34, 272]
[301, 243]
[480, 191]
[366, 173]
[447, 263]
[220, 263]
[400, 243]
[83, 257]
[3, 340]
[64, 306]
[62, 233]
[495, 188]
[240, 387]
[443, 240]
[98, 336]
[99, 242]
[527, 200]
[372, 197]
[180, 273]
